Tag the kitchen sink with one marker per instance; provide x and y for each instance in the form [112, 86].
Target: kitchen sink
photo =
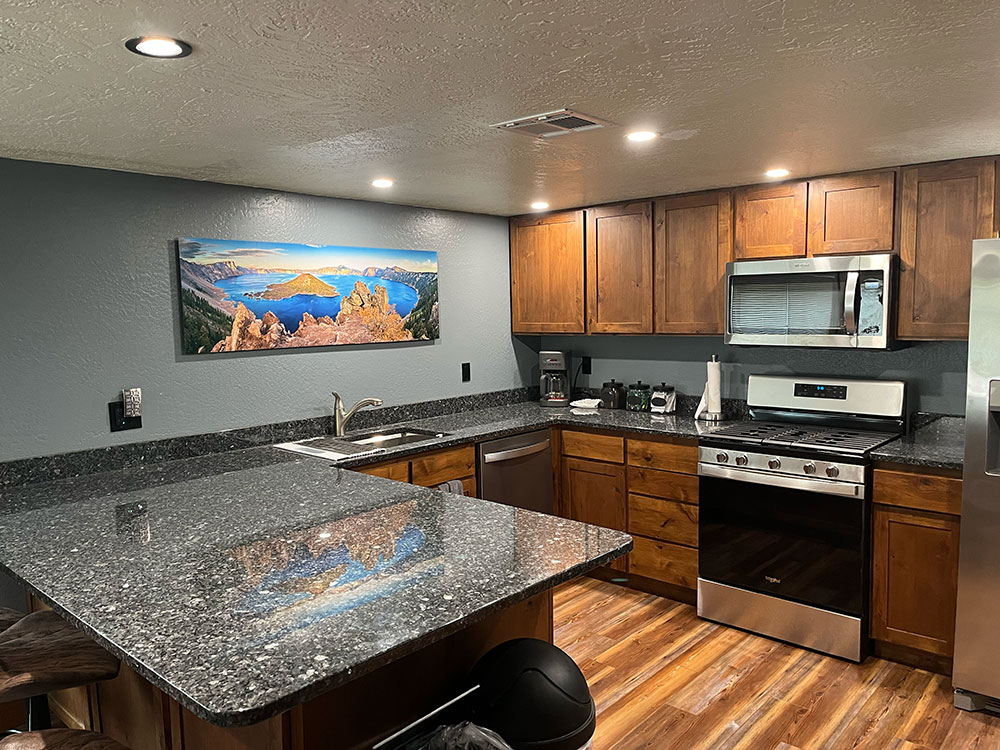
[392, 438]
[334, 447]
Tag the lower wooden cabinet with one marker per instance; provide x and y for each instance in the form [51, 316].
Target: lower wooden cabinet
[663, 561]
[432, 468]
[914, 579]
[915, 532]
[594, 492]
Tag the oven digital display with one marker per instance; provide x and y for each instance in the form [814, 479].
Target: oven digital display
[811, 390]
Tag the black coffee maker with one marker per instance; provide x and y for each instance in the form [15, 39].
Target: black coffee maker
[554, 380]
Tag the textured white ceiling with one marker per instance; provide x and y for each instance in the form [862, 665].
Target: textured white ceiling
[319, 97]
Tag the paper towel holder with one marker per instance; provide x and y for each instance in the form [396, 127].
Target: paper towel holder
[710, 416]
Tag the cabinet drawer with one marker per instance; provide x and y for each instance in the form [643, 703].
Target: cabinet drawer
[919, 491]
[665, 562]
[589, 445]
[668, 485]
[677, 455]
[663, 519]
[432, 469]
[400, 471]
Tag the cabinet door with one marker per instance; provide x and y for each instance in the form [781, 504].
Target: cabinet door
[594, 492]
[914, 579]
[546, 273]
[620, 269]
[770, 221]
[852, 213]
[944, 207]
[693, 243]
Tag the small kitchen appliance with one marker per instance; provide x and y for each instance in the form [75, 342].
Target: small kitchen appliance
[613, 395]
[785, 510]
[828, 301]
[554, 381]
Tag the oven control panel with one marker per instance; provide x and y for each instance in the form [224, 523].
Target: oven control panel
[818, 390]
[772, 463]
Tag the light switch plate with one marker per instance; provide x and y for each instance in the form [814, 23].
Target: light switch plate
[132, 399]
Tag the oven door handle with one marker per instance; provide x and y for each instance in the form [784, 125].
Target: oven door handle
[842, 489]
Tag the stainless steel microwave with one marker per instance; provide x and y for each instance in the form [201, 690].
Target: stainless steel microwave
[831, 301]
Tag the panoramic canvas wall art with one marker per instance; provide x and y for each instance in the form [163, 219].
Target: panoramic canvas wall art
[242, 296]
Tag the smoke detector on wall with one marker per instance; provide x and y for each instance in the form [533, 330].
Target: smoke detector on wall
[551, 124]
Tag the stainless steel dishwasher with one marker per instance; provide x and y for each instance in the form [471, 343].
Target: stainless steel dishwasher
[517, 471]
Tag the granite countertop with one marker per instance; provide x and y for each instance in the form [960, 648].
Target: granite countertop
[487, 424]
[938, 444]
[244, 583]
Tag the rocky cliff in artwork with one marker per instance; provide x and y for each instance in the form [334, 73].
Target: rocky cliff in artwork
[365, 317]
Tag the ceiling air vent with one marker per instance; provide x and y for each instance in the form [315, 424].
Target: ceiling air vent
[551, 124]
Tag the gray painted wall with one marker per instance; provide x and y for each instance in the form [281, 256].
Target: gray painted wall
[936, 371]
[88, 303]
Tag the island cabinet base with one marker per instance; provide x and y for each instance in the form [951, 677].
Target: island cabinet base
[349, 717]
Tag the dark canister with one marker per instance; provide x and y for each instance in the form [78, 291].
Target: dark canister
[613, 395]
[638, 397]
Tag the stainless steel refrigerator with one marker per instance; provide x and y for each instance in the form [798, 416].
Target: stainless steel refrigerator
[977, 628]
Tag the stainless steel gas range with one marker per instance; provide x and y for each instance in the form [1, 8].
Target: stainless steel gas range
[785, 510]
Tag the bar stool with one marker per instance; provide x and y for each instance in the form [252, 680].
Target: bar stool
[60, 739]
[41, 653]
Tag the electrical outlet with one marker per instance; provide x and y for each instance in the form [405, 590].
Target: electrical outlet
[466, 372]
[116, 415]
[586, 366]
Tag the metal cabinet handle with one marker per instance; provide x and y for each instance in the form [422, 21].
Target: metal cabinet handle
[489, 458]
[850, 303]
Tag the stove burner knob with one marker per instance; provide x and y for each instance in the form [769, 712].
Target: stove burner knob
[741, 460]
[809, 468]
[774, 463]
[722, 457]
[832, 471]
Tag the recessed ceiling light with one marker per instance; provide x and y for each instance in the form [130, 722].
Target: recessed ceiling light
[382, 182]
[641, 135]
[777, 172]
[539, 205]
[158, 46]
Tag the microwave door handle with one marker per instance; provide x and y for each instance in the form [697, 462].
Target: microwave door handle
[851, 303]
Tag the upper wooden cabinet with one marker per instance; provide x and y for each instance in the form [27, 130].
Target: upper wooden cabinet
[771, 221]
[620, 269]
[943, 208]
[546, 273]
[693, 243]
[852, 213]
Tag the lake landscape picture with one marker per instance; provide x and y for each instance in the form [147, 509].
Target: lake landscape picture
[244, 296]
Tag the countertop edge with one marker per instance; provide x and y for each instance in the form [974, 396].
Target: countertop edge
[247, 718]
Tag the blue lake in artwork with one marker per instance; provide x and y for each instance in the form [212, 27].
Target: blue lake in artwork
[289, 310]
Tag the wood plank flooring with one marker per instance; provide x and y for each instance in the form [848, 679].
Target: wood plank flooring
[664, 679]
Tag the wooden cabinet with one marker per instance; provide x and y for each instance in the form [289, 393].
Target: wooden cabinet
[693, 243]
[942, 209]
[662, 561]
[770, 221]
[432, 468]
[852, 213]
[666, 455]
[593, 445]
[396, 470]
[620, 269]
[914, 579]
[915, 559]
[546, 273]
[594, 492]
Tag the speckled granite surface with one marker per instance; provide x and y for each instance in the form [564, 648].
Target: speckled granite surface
[938, 444]
[486, 424]
[246, 582]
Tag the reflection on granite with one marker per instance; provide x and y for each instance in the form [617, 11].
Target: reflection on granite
[939, 443]
[244, 583]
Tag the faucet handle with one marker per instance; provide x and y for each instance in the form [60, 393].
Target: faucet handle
[336, 396]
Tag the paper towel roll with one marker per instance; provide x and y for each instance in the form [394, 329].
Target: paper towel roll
[711, 397]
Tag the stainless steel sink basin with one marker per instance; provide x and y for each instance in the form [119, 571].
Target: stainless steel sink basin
[392, 438]
[334, 448]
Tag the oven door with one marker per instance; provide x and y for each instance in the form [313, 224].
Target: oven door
[795, 542]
